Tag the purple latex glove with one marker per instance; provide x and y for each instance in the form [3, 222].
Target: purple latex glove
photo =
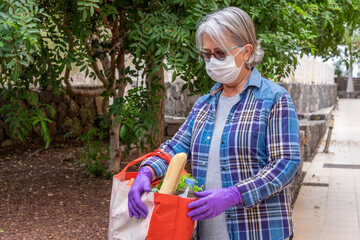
[141, 184]
[213, 202]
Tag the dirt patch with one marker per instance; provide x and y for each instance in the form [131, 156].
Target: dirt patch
[47, 196]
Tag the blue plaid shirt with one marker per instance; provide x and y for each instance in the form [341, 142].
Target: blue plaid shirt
[259, 153]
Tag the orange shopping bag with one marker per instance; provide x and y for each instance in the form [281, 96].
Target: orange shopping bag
[167, 214]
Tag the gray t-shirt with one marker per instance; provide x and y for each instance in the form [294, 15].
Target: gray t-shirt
[216, 228]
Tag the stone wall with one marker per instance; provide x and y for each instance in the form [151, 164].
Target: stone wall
[178, 103]
[309, 98]
[299, 175]
[72, 114]
[341, 88]
[342, 83]
[344, 94]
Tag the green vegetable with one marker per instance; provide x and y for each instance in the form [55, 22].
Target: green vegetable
[182, 183]
[154, 190]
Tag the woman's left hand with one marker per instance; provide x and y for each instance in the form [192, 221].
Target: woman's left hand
[213, 202]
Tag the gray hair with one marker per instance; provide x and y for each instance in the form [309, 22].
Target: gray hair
[238, 23]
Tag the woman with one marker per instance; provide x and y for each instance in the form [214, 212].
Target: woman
[242, 140]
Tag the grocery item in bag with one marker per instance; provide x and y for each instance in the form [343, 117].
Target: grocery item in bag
[173, 174]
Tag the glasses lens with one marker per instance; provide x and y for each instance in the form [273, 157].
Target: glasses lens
[220, 55]
[205, 55]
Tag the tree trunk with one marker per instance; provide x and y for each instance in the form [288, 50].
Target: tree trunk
[350, 82]
[160, 115]
[115, 153]
[115, 149]
[158, 135]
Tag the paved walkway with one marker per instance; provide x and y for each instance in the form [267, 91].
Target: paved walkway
[331, 210]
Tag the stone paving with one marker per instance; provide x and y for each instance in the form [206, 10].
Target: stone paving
[328, 205]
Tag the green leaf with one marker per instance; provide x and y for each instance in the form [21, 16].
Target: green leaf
[9, 55]
[157, 53]
[24, 63]
[85, 14]
[83, 68]
[36, 122]
[140, 13]
[47, 142]
[33, 31]
[21, 137]
[155, 70]
[28, 45]
[10, 64]
[4, 15]
[122, 131]
[43, 126]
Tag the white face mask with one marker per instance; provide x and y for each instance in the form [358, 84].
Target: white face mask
[225, 71]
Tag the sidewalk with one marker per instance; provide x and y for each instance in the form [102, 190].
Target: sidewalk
[328, 205]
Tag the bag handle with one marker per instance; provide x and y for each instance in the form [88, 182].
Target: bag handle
[167, 157]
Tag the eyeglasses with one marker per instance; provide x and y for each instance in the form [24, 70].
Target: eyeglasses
[218, 54]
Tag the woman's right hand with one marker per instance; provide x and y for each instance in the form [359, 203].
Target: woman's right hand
[141, 184]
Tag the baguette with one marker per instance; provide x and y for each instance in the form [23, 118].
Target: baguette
[173, 174]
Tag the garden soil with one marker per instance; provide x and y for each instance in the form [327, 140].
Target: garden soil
[44, 195]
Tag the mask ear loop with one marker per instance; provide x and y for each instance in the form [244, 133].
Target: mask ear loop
[241, 49]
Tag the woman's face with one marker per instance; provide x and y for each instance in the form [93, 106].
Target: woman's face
[210, 45]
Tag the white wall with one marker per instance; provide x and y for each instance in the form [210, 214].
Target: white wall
[312, 70]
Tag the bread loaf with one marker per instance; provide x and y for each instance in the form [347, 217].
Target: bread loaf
[173, 174]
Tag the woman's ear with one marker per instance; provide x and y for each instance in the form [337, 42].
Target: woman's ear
[247, 51]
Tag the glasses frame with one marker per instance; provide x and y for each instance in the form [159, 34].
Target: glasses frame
[207, 59]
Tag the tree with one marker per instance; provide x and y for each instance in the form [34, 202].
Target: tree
[96, 35]
[351, 54]
[41, 41]
[291, 28]
[19, 47]
[333, 21]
